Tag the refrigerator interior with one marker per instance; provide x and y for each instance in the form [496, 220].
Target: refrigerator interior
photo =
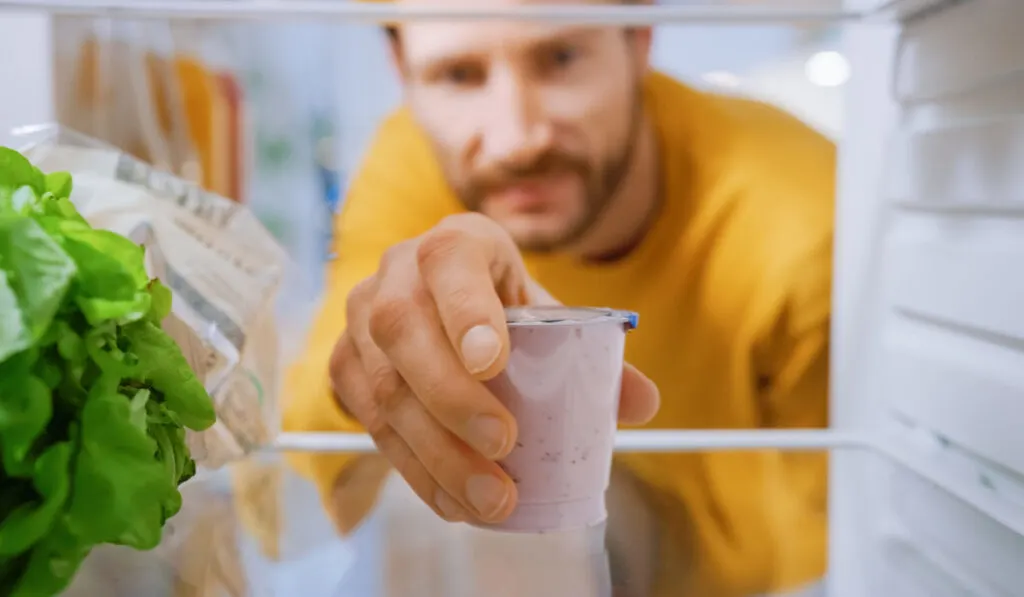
[245, 110]
[928, 338]
[928, 329]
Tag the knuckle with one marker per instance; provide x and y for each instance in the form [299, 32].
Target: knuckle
[466, 221]
[439, 244]
[357, 298]
[434, 394]
[435, 462]
[374, 421]
[392, 256]
[389, 320]
[476, 225]
[406, 464]
[342, 356]
[361, 291]
[344, 352]
[391, 447]
[462, 306]
[339, 400]
[402, 459]
[386, 385]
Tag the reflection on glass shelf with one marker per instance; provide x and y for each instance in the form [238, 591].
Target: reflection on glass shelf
[259, 530]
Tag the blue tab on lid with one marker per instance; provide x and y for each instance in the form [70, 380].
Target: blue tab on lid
[561, 315]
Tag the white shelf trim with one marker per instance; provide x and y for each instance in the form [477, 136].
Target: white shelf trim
[913, 9]
[385, 13]
[969, 208]
[628, 441]
[673, 441]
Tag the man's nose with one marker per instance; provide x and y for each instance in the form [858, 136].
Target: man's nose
[515, 129]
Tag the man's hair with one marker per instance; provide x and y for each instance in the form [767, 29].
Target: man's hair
[392, 30]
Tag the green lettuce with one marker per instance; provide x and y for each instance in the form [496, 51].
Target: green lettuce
[94, 396]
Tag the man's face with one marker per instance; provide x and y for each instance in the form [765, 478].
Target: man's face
[533, 122]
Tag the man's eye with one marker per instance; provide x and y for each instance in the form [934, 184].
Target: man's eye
[463, 75]
[564, 56]
[558, 59]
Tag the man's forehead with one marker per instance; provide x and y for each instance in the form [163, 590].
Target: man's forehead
[429, 41]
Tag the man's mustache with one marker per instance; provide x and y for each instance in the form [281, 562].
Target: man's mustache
[499, 178]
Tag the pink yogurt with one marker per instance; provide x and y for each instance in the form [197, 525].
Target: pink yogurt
[562, 384]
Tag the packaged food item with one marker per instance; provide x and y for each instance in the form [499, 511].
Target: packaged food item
[562, 384]
[223, 267]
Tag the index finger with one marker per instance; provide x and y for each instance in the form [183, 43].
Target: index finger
[472, 270]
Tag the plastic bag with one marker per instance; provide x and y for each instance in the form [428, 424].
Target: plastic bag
[222, 266]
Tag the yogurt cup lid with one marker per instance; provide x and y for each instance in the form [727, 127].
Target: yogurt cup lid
[536, 315]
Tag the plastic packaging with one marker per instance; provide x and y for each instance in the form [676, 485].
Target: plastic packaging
[222, 266]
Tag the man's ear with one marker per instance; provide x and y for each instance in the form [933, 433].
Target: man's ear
[395, 54]
[642, 38]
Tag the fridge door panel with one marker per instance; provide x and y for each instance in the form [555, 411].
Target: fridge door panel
[962, 49]
[929, 308]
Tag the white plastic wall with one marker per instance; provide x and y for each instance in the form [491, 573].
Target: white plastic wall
[870, 115]
[930, 333]
[25, 71]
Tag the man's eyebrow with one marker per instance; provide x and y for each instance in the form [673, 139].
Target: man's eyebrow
[444, 58]
[575, 35]
[579, 32]
[441, 60]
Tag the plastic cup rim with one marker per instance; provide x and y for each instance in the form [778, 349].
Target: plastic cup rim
[594, 315]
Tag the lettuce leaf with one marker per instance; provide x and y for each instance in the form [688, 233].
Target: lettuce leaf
[94, 396]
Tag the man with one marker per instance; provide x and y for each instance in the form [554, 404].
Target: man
[534, 161]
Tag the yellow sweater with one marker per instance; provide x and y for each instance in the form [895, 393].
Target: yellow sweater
[733, 286]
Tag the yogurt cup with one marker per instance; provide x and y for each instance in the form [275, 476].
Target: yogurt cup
[562, 384]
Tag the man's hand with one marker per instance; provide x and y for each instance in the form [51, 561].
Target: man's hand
[423, 333]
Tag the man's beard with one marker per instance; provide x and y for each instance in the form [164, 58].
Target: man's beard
[600, 184]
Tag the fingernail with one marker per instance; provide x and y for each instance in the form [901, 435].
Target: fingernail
[481, 346]
[487, 494]
[449, 508]
[488, 434]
